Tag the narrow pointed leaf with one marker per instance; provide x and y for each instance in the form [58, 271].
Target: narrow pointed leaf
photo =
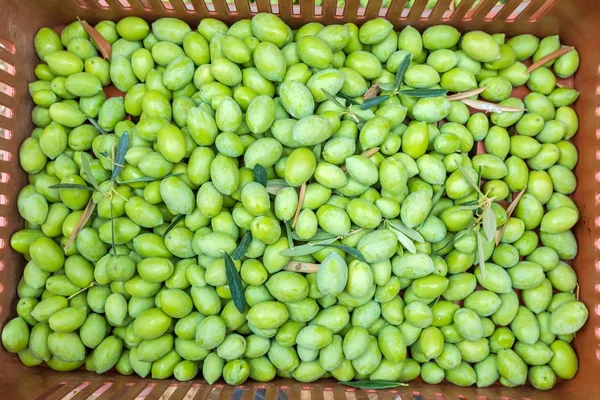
[480, 255]
[374, 101]
[302, 267]
[300, 203]
[260, 175]
[173, 223]
[98, 127]
[119, 160]
[317, 152]
[509, 212]
[490, 107]
[404, 240]
[402, 69]
[72, 186]
[235, 283]
[275, 185]
[465, 174]
[411, 233]
[112, 228]
[374, 385]
[489, 224]
[147, 179]
[85, 164]
[306, 249]
[102, 43]
[547, 58]
[348, 250]
[290, 237]
[438, 195]
[85, 217]
[333, 99]
[320, 235]
[422, 93]
[243, 246]
[387, 86]
[348, 99]
[466, 95]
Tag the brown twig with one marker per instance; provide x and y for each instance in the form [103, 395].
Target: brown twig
[299, 266]
[466, 95]
[300, 202]
[552, 56]
[509, 212]
[87, 213]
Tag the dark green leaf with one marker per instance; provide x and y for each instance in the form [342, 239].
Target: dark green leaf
[119, 160]
[317, 152]
[243, 246]
[85, 164]
[411, 233]
[333, 99]
[489, 224]
[402, 69]
[235, 283]
[173, 223]
[456, 237]
[260, 175]
[72, 186]
[348, 99]
[480, 255]
[348, 250]
[306, 249]
[98, 127]
[374, 101]
[290, 237]
[421, 93]
[320, 235]
[373, 385]
[112, 228]
[275, 185]
[147, 179]
[405, 241]
[387, 86]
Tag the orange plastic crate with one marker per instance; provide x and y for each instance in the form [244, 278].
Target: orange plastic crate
[576, 21]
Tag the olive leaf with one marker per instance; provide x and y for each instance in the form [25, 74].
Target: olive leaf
[306, 249]
[103, 44]
[260, 175]
[147, 179]
[243, 246]
[85, 164]
[299, 266]
[72, 186]
[112, 228]
[290, 237]
[509, 212]
[235, 283]
[275, 185]
[465, 174]
[320, 235]
[422, 93]
[373, 385]
[480, 255]
[374, 101]
[119, 160]
[490, 107]
[411, 233]
[96, 125]
[489, 224]
[333, 99]
[387, 86]
[404, 240]
[466, 95]
[348, 250]
[301, 196]
[85, 217]
[401, 70]
[547, 58]
[317, 152]
[348, 99]
[173, 223]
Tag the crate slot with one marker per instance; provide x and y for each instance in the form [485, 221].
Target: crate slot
[74, 391]
[98, 392]
[6, 112]
[437, 11]
[145, 392]
[544, 8]
[473, 10]
[7, 89]
[518, 11]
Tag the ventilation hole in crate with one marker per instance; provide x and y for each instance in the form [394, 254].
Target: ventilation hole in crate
[4, 156]
[429, 7]
[494, 11]
[1, 265]
[80, 3]
[2, 221]
[282, 394]
[3, 198]
[4, 177]
[5, 133]
[7, 89]
[144, 4]
[6, 112]
[305, 394]
[103, 4]
[7, 45]
[125, 4]
[473, 10]
[211, 7]
[167, 4]
[260, 394]
[237, 394]
[328, 394]
[147, 390]
[188, 5]
[7, 67]
[73, 392]
[100, 391]
[231, 6]
[192, 392]
[518, 11]
[169, 392]
[542, 10]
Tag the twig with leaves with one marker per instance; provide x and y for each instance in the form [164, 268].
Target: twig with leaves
[345, 109]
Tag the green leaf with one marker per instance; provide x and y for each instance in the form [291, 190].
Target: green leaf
[119, 160]
[374, 101]
[173, 223]
[333, 99]
[465, 174]
[489, 224]
[374, 385]
[290, 237]
[411, 233]
[147, 179]
[275, 185]
[438, 195]
[348, 99]
[72, 186]
[317, 152]
[480, 255]
[387, 86]
[85, 164]
[98, 127]
[422, 93]
[260, 175]
[243, 246]
[402, 69]
[306, 249]
[348, 250]
[404, 240]
[112, 228]
[235, 283]
[320, 235]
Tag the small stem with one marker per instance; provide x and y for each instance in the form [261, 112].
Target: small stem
[552, 56]
[300, 203]
[80, 291]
